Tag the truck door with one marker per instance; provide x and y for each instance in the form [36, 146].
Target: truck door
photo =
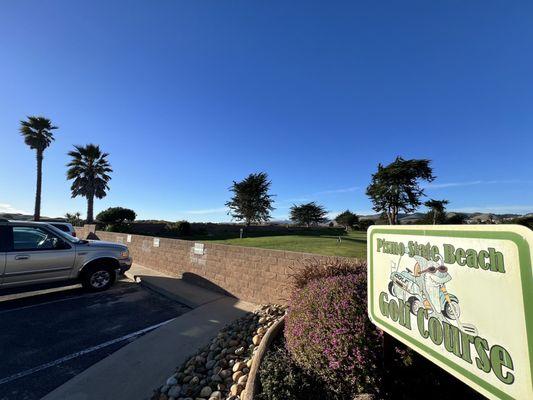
[36, 255]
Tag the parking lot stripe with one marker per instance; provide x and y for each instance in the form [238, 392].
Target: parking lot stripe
[81, 353]
[75, 297]
[40, 304]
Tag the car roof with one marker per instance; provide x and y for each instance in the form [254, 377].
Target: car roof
[4, 221]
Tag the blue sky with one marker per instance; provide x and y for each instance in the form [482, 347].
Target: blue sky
[187, 96]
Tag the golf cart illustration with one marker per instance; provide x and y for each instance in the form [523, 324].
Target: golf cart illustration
[425, 286]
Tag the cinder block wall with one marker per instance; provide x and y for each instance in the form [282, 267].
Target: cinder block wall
[250, 274]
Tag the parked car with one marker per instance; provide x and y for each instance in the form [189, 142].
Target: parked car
[38, 252]
[65, 227]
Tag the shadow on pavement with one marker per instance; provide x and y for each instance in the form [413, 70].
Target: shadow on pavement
[12, 298]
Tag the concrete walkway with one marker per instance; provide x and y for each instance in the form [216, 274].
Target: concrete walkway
[134, 371]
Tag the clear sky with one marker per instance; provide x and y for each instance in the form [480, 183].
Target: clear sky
[187, 96]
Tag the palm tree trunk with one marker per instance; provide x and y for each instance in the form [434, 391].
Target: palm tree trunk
[434, 217]
[38, 186]
[90, 206]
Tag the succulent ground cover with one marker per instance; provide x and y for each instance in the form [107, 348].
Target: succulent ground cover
[220, 370]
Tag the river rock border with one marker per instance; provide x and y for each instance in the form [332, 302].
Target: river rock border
[221, 370]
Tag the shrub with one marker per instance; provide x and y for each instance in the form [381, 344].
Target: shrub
[330, 336]
[316, 269]
[121, 228]
[282, 379]
[116, 216]
[180, 228]
[365, 224]
[183, 228]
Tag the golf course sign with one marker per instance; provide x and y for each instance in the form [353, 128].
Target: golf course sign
[462, 296]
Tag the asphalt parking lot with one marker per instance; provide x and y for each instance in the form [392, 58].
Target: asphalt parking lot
[48, 337]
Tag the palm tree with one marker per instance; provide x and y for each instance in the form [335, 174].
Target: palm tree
[37, 134]
[89, 169]
[74, 219]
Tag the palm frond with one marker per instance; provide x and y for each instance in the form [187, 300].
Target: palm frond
[37, 132]
[89, 170]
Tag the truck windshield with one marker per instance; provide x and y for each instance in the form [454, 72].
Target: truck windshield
[64, 235]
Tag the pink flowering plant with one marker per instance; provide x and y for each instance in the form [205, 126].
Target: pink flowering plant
[329, 335]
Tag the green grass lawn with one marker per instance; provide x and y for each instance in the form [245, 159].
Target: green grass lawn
[352, 244]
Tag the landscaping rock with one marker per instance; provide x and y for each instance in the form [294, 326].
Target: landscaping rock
[236, 389]
[219, 370]
[217, 395]
[174, 391]
[225, 373]
[194, 381]
[236, 376]
[242, 380]
[206, 391]
[238, 366]
[172, 380]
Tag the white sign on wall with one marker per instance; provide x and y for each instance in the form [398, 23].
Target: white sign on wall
[128, 238]
[199, 249]
[462, 296]
[156, 242]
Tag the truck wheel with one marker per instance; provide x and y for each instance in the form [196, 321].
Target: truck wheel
[98, 278]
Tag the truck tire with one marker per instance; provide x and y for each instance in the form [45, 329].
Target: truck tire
[98, 278]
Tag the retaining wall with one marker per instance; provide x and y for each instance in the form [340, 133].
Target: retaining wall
[251, 274]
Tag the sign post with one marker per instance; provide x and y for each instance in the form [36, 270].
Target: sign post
[462, 296]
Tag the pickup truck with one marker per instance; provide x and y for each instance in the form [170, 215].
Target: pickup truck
[37, 252]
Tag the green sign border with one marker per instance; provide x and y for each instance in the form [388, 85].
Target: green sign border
[526, 276]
